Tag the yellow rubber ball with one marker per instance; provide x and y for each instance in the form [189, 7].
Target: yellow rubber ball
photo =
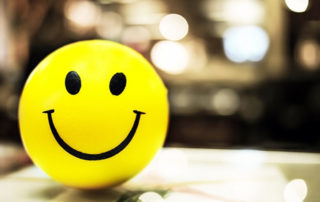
[93, 114]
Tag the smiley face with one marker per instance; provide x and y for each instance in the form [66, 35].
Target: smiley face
[73, 85]
[93, 114]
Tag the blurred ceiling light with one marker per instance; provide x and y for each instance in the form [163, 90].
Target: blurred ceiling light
[173, 27]
[308, 54]
[82, 13]
[235, 11]
[171, 57]
[298, 6]
[225, 102]
[109, 25]
[245, 43]
[137, 37]
[295, 191]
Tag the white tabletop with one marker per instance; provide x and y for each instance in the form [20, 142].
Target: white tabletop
[181, 174]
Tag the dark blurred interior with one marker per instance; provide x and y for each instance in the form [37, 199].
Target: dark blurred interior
[240, 74]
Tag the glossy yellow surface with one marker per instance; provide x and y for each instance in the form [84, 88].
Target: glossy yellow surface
[94, 120]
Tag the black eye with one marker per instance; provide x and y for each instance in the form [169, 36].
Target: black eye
[73, 82]
[117, 83]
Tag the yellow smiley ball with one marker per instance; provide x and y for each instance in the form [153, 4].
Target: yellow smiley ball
[93, 114]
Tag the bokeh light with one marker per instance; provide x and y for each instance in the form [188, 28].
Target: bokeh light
[235, 11]
[173, 27]
[245, 43]
[143, 12]
[225, 101]
[82, 13]
[171, 57]
[110, 25]
[295, 191]
[150, 197]
[182, 99]
[298, 6]
[308, 54]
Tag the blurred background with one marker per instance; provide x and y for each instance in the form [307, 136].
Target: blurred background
[240, 73]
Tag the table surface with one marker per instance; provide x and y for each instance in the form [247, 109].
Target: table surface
[181, 174]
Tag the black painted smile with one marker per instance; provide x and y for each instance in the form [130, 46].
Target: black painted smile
[87, 156]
